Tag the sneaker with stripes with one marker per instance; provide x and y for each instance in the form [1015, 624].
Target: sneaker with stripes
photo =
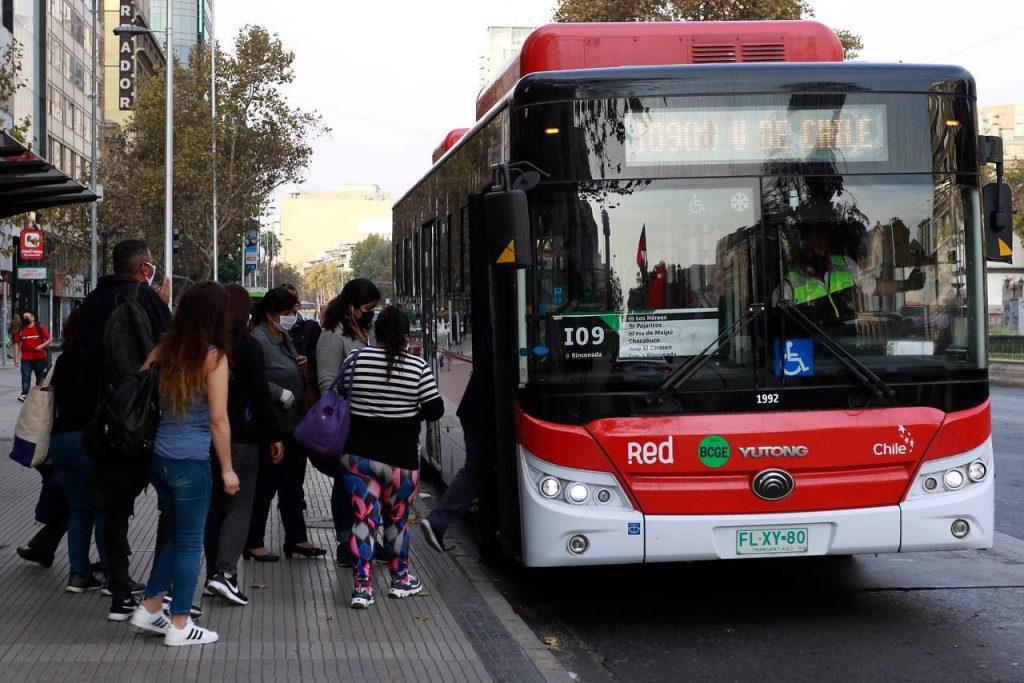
[362, 597]
[189, 635]
[145, 621]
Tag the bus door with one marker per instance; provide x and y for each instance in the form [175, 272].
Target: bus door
[428, 319]
[495, 302]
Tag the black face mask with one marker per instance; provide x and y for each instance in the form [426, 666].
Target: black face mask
[27, 321]
[820, 264]
[365, 320]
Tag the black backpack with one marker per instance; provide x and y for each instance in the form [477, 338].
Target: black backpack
[127, 418]
[127, 338]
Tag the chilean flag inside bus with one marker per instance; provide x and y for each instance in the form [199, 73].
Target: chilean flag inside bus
[641, 251]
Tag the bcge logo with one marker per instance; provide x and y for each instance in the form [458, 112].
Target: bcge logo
[649, 452]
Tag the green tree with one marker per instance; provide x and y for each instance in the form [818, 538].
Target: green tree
[322, 282]
[371, 258]
[263, 143]
[10, 81]
[1014, 177]
[696, 10]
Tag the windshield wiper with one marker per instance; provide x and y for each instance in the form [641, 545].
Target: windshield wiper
[862, 372]
[684, 372]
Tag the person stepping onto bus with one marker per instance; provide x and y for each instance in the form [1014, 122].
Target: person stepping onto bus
[392, 392]
[476, 414]
[824, 284]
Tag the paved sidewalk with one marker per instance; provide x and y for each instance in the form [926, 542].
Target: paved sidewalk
[297, 626]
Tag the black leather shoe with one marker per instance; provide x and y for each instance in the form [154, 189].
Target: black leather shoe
[265, 557]
[26, 553]
[304, 551]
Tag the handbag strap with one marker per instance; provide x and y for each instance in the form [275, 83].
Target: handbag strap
[340, 378]
[49, 375]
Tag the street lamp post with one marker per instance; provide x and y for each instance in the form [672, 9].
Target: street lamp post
[133, 30]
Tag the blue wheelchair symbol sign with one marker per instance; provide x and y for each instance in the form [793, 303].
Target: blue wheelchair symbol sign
[633, 528]
[794, 358]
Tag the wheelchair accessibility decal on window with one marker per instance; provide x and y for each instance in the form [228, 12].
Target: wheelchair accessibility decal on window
[794, 357]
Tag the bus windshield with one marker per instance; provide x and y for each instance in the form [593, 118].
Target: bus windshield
[634, 278]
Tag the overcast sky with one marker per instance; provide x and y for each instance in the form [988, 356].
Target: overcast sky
[391, 78]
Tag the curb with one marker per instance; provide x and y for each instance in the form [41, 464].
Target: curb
[547, 665]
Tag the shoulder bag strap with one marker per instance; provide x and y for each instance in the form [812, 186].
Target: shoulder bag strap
[349, 363]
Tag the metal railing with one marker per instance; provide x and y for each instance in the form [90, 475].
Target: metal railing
[1006, 347]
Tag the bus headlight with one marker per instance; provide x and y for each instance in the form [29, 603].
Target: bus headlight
[569, 486]
[977, 471]
[577, 493]
[550, 487]
[953, 479]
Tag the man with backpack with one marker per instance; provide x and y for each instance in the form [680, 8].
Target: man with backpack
[121, 321]
[30, 344]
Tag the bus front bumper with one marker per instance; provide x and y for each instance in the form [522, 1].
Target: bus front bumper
[621, 535]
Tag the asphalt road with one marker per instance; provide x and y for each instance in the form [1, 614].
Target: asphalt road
[914, 617]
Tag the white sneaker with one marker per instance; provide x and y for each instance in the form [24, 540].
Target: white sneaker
[148, 622]
[190, 635]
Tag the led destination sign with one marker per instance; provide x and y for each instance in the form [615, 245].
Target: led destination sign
[756, 135]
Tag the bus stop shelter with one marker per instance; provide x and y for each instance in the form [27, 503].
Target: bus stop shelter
[29, 183]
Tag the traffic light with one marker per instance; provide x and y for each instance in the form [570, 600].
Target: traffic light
[175, 244]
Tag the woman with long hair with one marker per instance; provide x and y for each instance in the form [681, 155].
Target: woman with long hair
[193, 364]
[274, 316]
[347, 324]
[392, 392]
[253, 423]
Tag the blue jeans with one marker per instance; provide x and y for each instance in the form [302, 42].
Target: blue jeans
[27, 368]
[184, 489]
[72, 466]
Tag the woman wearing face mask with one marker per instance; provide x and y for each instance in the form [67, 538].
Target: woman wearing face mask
[274, 316]
[347, 323]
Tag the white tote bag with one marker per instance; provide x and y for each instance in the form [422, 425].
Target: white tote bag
[32, 433]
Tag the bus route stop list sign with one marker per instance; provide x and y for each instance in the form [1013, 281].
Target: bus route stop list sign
[651, 334]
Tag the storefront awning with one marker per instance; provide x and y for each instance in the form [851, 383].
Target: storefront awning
[29, 183]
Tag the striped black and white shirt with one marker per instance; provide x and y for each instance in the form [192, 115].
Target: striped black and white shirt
[386, 411]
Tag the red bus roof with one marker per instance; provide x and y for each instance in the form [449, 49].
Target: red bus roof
[559, 47]
[448, 142]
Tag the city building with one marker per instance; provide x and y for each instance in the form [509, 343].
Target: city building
[56, 95]
[126, 58]
[317, 222]
[193, 23]
[1007, 122]
[503, 43]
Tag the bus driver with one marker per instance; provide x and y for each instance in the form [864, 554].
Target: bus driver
[823, 284]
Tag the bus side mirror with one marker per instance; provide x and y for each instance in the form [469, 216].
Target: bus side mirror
[997, 213]
[507, 217]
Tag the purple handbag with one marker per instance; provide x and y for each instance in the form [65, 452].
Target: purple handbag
[324, 430]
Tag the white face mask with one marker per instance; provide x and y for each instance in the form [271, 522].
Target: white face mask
[152, 277]
[287, 322]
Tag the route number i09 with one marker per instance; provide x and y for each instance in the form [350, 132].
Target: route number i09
[584, 336]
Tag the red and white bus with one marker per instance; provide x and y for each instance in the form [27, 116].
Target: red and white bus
[626, 216]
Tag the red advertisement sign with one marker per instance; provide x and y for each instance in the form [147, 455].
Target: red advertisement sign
[31, 244]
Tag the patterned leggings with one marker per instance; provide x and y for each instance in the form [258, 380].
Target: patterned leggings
[369, 483]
